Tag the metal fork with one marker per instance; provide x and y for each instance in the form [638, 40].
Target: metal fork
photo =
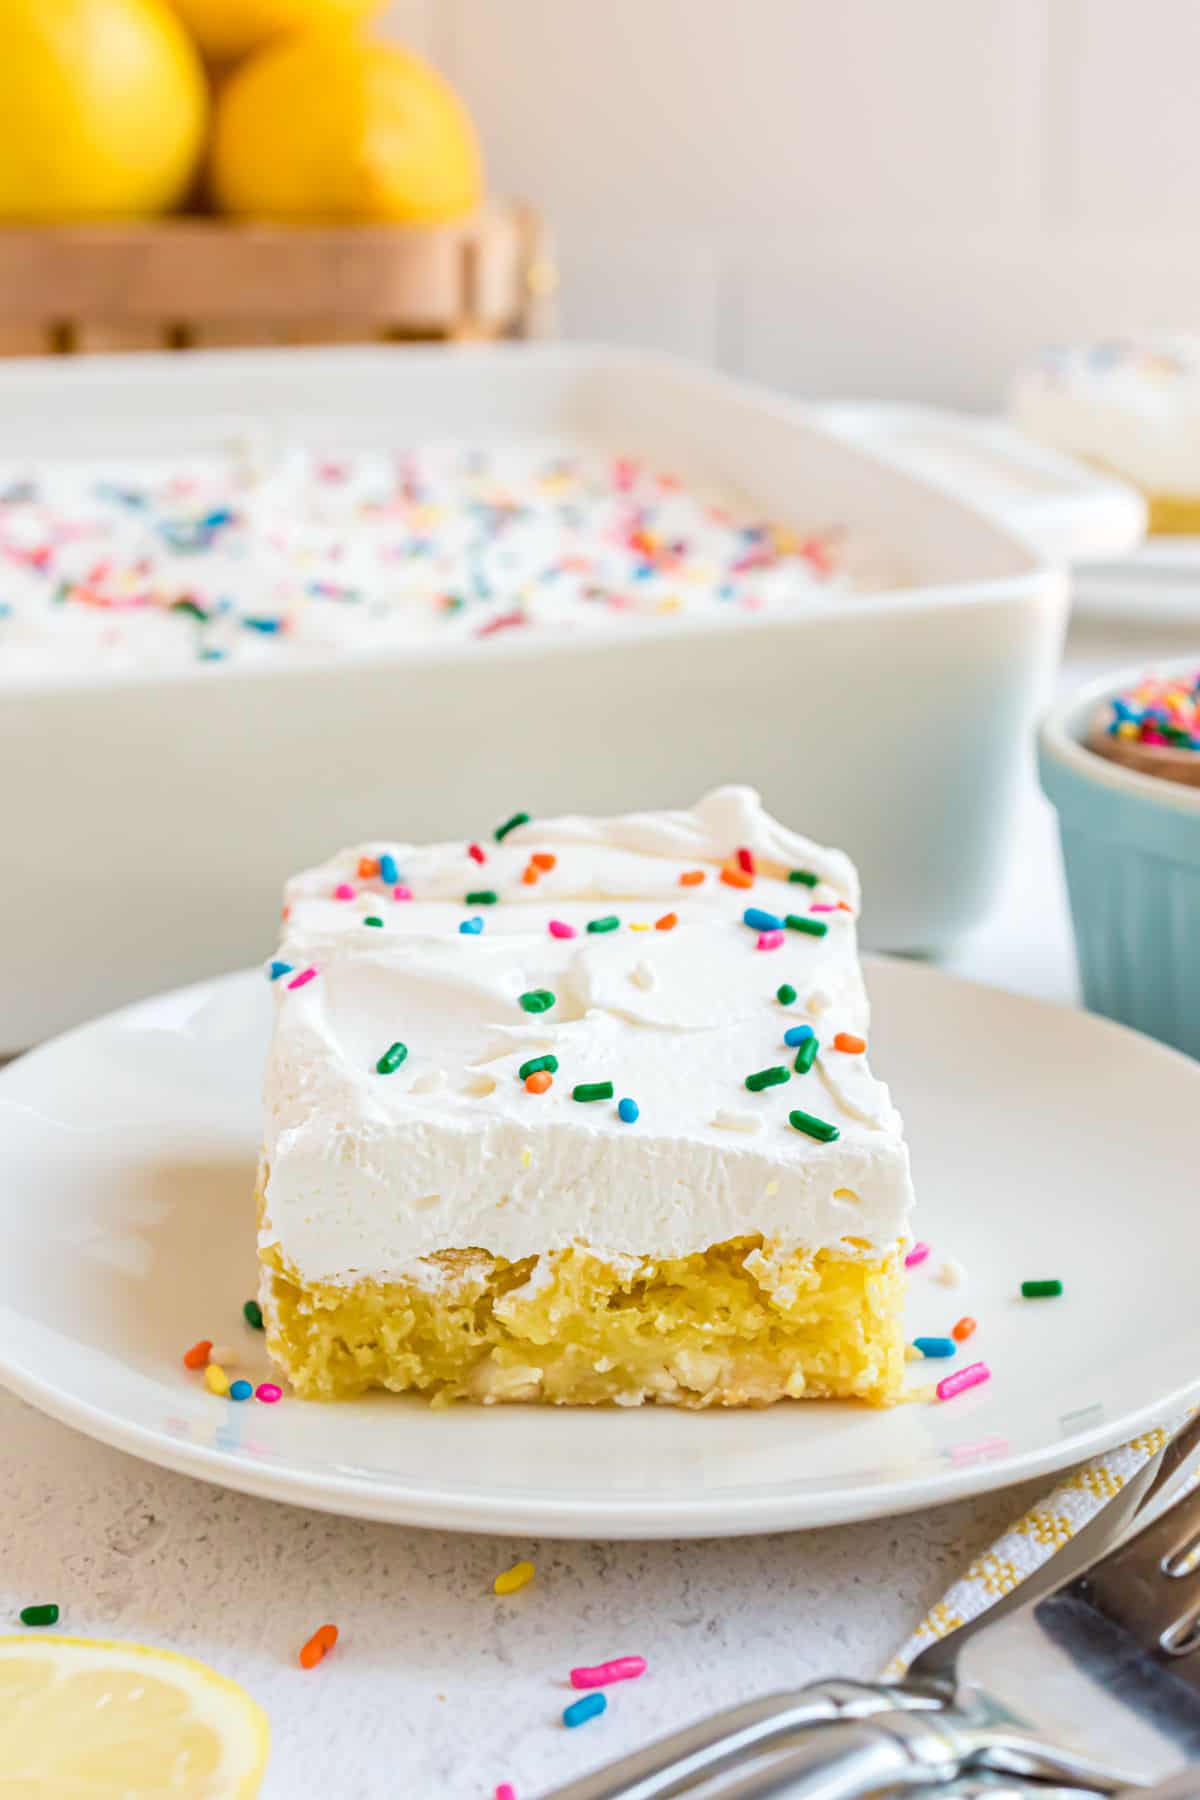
[730, 1741]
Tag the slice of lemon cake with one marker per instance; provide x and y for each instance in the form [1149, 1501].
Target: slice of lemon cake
[582, 1114]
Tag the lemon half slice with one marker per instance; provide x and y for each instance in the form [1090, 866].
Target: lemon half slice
[88, 1720]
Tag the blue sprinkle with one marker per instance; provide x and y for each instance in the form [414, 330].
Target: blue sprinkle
[211, 654]
[580, 1711]
[267, 625]
[388, 869]
[627, 1110]
[932, 1346]
[758, 920]
[240, 1390]
[472, 927]
[796, 1034]
[277, 969]
[223, 516]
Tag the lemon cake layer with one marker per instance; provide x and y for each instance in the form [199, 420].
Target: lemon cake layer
[582, 1112]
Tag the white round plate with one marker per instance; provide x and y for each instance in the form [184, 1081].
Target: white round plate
[1045, 1143]
[1157, 584]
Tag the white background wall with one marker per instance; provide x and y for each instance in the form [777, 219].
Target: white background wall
[857, 197]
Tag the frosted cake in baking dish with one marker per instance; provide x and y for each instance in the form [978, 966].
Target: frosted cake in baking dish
[256, 557]
[582, 1113]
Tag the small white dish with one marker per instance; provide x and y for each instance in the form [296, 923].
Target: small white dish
[1158, 584]
[1045, 1143]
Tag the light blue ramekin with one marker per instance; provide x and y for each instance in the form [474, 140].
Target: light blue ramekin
[1131, 845]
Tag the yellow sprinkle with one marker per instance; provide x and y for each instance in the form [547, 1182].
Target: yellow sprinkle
[526, 1157]
[216, 1380]
[1127, 729]
[670, 603]
[638, 925]
[514, 1578]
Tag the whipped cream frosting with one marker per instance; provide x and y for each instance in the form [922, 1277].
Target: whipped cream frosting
[256, 554]
[1131, 405]
[676, 1004]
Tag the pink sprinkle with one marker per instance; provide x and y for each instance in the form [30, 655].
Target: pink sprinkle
[559, 928]
[746, 861]
[268, 1393]
[476, 851]
[402, 892]
[343, 891]
[303, 978]
[970, 1377]
[917, 1254]
[770, 940]
[622, 1668]
[822, 908]
[506, 1791]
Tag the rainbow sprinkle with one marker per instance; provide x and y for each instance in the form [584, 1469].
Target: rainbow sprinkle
[972, 1376]
[1163, 711]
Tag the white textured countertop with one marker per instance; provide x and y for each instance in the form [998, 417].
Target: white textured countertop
[437, 1688]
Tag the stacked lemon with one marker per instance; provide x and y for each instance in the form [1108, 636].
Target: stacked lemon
[280, 109]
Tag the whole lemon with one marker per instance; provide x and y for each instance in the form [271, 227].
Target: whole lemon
[225, 29]
[334, 127]
[102, 109]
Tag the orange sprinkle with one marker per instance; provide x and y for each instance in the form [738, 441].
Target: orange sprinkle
[542, 859]
[321, 1641]
[963, 1330]
[844, 906]
[539, 1081]
[846, 1041]
[737, 878]
[531, 875]
[668, 922]
[286, 913]
[691, 878]
[197, 1356]
[368, 868]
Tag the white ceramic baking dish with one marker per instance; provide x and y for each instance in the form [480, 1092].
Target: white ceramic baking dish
[147, 822]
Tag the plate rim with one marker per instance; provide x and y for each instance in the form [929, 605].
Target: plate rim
[603, 1518]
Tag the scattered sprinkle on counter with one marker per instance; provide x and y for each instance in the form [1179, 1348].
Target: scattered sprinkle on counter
[506, 1791]
[627, 1110]
[252, 1313]
[917, 1255]
[621, 1668]
[580, 1711]
[502, 831]
[510, 1581]
[812, 1127]
[1041, 1290]
[391, 1059]
[318, 1646]
[935, 1346]
[972, 1376]
[46, 1613]
[592, 1090]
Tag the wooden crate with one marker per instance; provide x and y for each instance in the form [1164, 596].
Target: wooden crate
[189, 281]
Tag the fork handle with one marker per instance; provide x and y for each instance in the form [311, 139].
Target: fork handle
[671, 1764]
[892, 1752]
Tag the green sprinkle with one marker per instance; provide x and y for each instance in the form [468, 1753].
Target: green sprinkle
[800, 922]
[252, 1313]
[190, 608]
[537, 1000]
[391, 1059]
[592, 1090]
[40, 1615]
[502, 831]
[812, 1127]
[785, 994]
[609, 922]
[1041, 1290]
[804, 876]
[372, 920]
[482, 897]
[549, 1063]
[806, 1056]
[765, 1078]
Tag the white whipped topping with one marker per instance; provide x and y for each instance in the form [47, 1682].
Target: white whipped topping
[300, 553]
[370, 1171]
[1131, 406]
